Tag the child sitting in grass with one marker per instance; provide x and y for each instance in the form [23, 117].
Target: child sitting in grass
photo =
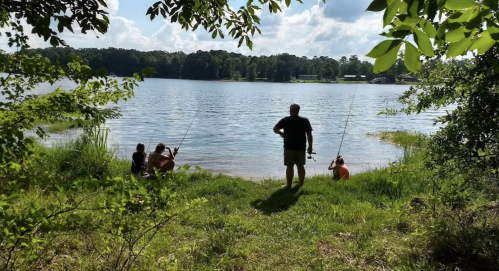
[340, 170]
[139, 159]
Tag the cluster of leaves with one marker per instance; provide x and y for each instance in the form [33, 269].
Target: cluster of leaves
[88, 15]
[469, 138]
[38, 207]
[21, 108]
[213, 15]
[455, 26]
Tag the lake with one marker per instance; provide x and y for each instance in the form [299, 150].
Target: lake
[232, 131]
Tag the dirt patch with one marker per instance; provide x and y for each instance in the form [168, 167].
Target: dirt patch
[343, 236]
[326, 249]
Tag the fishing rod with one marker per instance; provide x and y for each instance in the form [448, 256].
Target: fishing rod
[190, 125]
[337, 156]
[150, 141]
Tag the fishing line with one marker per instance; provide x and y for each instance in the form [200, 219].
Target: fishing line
[191, 124]
[346, 122]
[150, 141]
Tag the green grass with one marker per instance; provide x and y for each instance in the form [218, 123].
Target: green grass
[62, 126]
[405, 139]
[352, 82]
[374, 221]
[57, 127]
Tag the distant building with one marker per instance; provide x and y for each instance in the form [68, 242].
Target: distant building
[308, 77]
[379, 80]
[353, 78]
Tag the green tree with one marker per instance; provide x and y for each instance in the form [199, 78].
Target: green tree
[251, 72]
[466, 26]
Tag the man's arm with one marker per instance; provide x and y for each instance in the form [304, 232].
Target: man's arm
[277, 130]
[310, 139]
[170, 156]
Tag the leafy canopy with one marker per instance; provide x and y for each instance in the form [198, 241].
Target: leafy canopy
[214, 15]
[439, 28]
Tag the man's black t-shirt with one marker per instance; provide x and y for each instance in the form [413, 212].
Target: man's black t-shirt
[295, 129]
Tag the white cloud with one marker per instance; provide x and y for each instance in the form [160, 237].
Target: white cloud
[112, 6]
[312, 32]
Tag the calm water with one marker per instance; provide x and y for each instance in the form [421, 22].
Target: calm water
[232, 131]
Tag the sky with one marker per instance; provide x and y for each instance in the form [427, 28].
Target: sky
[336, 28]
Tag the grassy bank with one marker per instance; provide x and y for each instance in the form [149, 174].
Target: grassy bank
[378, 220]
[58, 127]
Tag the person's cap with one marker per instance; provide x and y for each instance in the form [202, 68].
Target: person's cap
[295, 106]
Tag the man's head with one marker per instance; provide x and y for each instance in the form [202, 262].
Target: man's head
[294, 109]
[160, 148]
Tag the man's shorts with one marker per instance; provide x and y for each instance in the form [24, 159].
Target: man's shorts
[294, 158]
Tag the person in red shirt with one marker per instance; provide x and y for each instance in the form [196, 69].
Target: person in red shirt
[340, 170]
[160, 161]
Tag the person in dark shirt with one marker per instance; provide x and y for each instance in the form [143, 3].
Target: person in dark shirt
[139, 159]
[296, 131]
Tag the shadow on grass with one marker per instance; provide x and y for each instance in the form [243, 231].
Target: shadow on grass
[281, 200]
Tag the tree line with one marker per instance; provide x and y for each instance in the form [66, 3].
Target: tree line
[220, 65]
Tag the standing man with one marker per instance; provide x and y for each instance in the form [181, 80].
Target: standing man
[297, 131]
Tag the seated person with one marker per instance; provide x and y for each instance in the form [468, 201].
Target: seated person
[340, 170]
[160, 161]
[139, 159]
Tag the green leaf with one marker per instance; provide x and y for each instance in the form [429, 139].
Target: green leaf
[491, 4]
[428, 28]
[13, 197]
[53, 41]
[455, 35]
[423, 43]
[459, 16]
[249, 43]
[459, 4]
[275, 7]
[493, 30]
[384, 62]
[288, 2]
[196, 5]
[399, 31]
[482, 44]
[496, 66]
[413, 9]
[432, 9]
[458, 48]
[390, 12]
[411, 58]
[214, 35]
[403, 7]
[408, 19]
[383, 48]
[441, 34]
[378, 5]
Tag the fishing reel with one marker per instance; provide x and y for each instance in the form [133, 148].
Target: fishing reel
[310, 156]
